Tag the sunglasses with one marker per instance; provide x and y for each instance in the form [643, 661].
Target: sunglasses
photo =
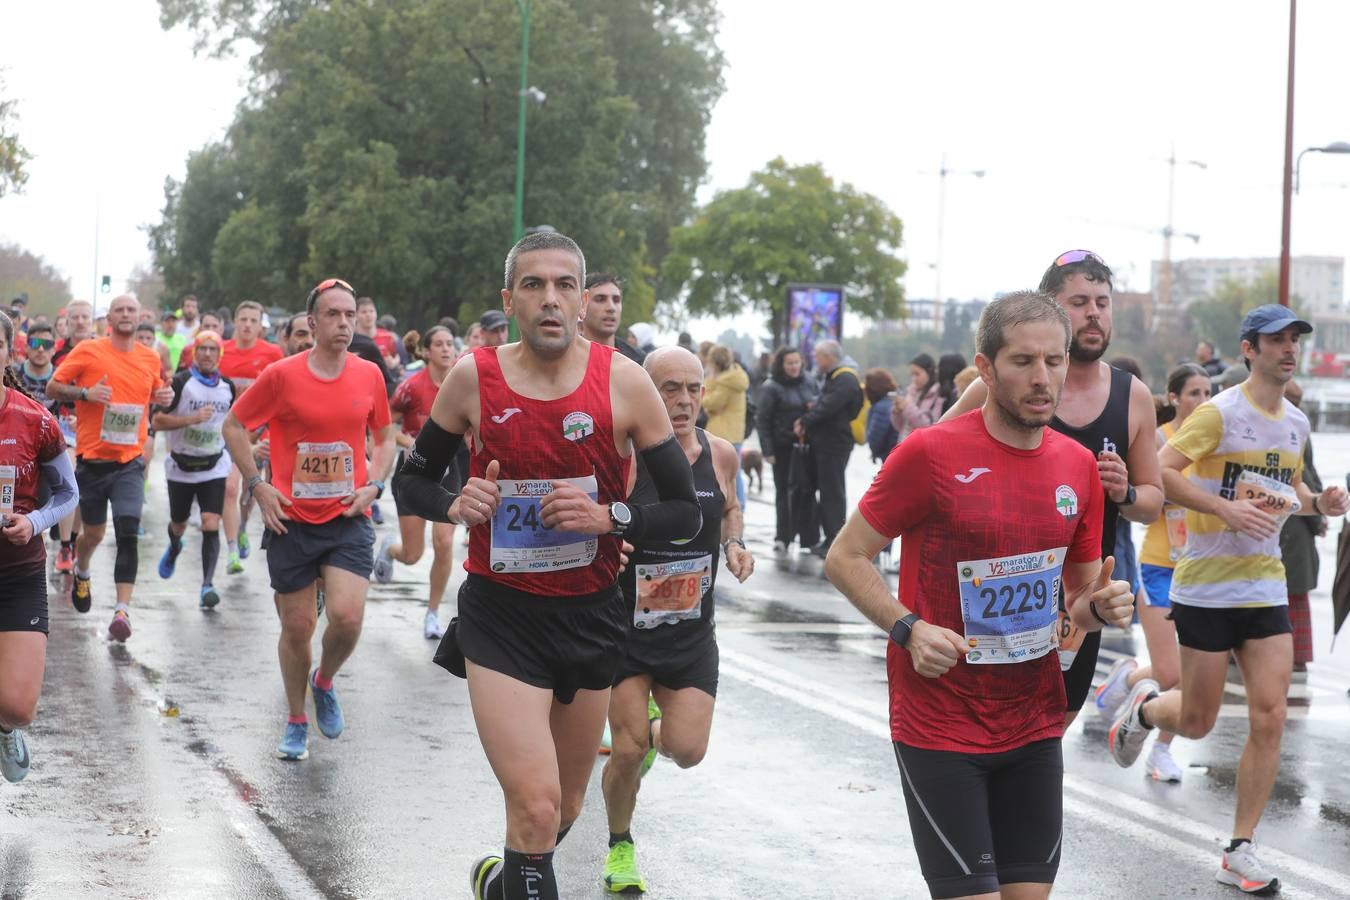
[325, 285]
[1076, 256]
[41, 343]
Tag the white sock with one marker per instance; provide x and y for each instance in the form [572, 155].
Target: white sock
[233, 546]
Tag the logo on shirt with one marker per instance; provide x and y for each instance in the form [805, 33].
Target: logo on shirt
[577, 425]
[1066, 501]
[505, 414]
[1249, 434]
[1108, 445]
[970, 476]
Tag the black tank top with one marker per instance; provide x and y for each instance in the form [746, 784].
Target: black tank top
[1109, 431]
[677, 578]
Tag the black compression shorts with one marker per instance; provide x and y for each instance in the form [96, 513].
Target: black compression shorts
[673, 664]
[984, 819]
[1078, 678]
[23, 598]
[210, 497]
[1221, 630]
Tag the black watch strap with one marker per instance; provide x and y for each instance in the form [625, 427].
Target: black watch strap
[902, 629]
[1131, 495]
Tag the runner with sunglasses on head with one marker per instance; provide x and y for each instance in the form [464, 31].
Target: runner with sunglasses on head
[32, 454]
[318, 406]
[542, 624]
[112, 381]
[1108, 411]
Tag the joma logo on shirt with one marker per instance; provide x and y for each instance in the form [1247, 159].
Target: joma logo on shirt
[1233, 471]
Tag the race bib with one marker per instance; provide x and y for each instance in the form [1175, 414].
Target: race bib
[1008, 605]
[8, 479]
[671, 592]
[1175, 518]
[203, 440]
[1275, 497]
[521, 542]
[1069, 638]
[322, 471]
[121, 424]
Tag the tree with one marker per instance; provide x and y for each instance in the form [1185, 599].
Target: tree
[789, 224]
[147, 285]
[22, 272]
[1219, 318]
[12, 153]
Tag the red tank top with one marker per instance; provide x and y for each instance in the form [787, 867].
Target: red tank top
[536, 442]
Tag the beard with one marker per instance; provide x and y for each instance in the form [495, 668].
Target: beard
[1009, 409]
[1079, 353]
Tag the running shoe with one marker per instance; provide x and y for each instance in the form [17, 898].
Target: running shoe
[1127, 735]
[432, 629]
[169, 560]
[780, 546]
[621, 874]
[326, 709]
[65, 559]
[295, 742]
[482, 874]
[81, 593]
[243, 544]
[375, 515]
[120, 627]
[384, 562]
[1111, 692]
[606, 742]
[653, 713]
[234, 566]
[1244, 871]
[1161, 765]
[209, 597]
[14, 758]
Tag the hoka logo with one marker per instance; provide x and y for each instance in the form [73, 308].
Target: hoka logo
[970, 476]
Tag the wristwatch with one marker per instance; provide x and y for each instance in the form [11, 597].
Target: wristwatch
[379, 487]
[729, 541]
[1130, 496]
[252, 483]
[621, 516]
[901, 630]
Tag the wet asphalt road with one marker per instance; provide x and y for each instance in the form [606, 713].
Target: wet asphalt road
[798, 797]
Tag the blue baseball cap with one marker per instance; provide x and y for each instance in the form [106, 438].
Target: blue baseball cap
[1271, 318]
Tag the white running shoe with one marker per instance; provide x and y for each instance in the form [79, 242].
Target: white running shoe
[1244, 871]
[14, 759]
[384, 562]
[432, 629]
[1161, 765]
[1127, 735]
[1111, 692]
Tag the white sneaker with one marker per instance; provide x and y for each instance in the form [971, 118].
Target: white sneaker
[384, 562]
[14, 757]
[1127, 735]
[1111, 692]
[1244, 871]
[1162, 766]
[432, 629]
[779, 547]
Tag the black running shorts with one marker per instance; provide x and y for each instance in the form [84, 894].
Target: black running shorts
[23, 598]
[210, 497]
[1078, 679]
[564, 643]
[673, 661]
[103, 482]
[295, 558]
[1221, 630]
[984, 819]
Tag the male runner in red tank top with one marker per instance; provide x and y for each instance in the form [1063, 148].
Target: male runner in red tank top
[542, 624]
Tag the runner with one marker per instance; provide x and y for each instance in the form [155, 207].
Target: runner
[317, 407]
[112, 381]
[1116, 411]
[663, 697]
[602, 313]
[1187, 388]
[32, 452]
[242, 360]
[411, 406]
[296, 335]
[197, 463]
[1244, 452]
[993, 510]
[171, 339]
[542, 623]
[79, 327]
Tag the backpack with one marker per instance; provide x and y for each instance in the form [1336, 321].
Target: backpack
[859, 424]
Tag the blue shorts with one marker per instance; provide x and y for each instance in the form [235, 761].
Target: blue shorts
[1157, 585]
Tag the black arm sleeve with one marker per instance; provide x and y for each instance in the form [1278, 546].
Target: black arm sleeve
[677, 516]
[418, 487]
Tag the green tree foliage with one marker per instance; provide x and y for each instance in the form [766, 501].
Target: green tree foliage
[789, 224]
[12, 153]
[1218, 318]
[379, 141]
[22, 272]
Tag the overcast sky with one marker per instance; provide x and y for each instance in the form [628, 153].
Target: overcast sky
[1070, 108]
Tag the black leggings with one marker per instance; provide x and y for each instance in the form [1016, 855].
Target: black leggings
[210, 497]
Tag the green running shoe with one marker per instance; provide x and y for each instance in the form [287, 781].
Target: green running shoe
[653, 713]
[621, 874]
[234, 566]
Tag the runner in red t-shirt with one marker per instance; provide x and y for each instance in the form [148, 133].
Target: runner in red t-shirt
[317, 406]
[242, 360]
[411, 405]
[995, 512]
[32, 453]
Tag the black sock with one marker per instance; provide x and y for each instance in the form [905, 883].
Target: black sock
[210, 553]
[562, 833]
[175, 539]
[528, 876]
[1236, 841]
[1142, 720]
[620, 838]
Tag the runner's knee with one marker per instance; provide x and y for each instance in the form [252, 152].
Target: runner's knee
[1267, 720]
[686, 752]
[18, 712]
[1196, 723]
[537, 811]
[125, 529]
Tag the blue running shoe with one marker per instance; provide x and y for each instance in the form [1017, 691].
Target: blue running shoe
[209, 597]
[243, 544]
[169, 560]
[326, 709]
[375, 515]
[295, 743]
[14, 759]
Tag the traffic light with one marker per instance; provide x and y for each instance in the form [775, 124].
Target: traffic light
[106, 285]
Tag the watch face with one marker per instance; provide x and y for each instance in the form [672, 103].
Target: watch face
[621, 513]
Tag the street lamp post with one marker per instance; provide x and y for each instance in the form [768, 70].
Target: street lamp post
[943, 172]
[519, 230]
[1288, 162]
[1336, 147]
[1165, 288]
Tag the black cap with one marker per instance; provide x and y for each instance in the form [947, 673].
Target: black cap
[493, 319]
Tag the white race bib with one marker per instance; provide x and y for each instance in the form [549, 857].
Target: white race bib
[1275, 496]
[1009, 605]
[204, 440]
[323, 471]
[8, 481]
[121, 424]
[521, 542]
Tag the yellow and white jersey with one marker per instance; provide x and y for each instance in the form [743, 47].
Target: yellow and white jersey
[1238, 450]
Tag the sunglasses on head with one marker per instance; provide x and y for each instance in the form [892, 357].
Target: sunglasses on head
[1076, 256]
[41, 343]
[325, 285]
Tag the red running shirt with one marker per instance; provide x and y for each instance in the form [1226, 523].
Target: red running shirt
[238, 364]
[29, 436]
[317, 429]
[413, 399]
[536, 442]
[954, 494]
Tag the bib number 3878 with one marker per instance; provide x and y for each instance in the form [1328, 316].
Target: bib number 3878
[1008, 605]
